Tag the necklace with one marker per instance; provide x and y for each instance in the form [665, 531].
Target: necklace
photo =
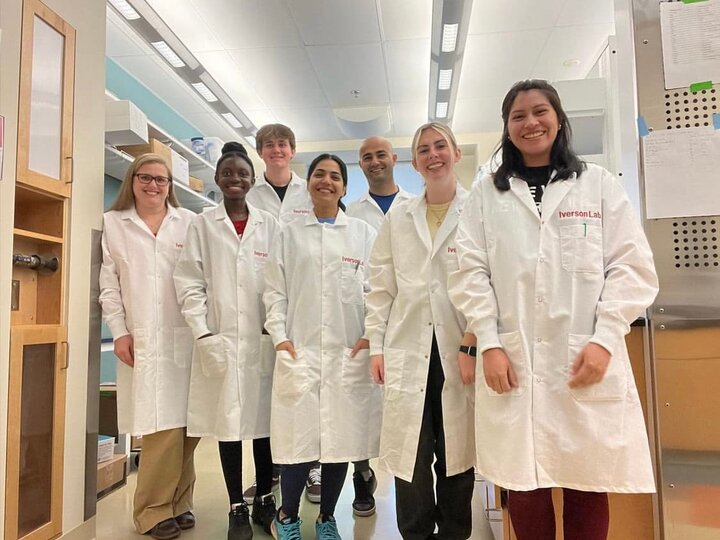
[438, 212]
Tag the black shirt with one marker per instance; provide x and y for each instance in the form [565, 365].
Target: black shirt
[537, 179]
[280, 190]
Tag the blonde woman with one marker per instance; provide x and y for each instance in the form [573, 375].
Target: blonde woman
[420, 351]
[143, 235]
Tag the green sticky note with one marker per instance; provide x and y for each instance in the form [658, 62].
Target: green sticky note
[698, 86]
[692, 1]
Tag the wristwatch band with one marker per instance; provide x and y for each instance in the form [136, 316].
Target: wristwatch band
[470, 351]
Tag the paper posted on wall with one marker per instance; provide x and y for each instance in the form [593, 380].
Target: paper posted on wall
[690, 42]
[681, 172]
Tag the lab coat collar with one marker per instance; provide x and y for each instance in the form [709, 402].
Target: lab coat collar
[555, 193]
[417, 208]
[219, 213]
[131, 215]
[295, 180]
[451, 219]
[401, 196]
[340, 221]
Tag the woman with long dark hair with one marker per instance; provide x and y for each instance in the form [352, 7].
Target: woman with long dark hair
[554, 267]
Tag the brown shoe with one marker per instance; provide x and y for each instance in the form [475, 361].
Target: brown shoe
[165, 530]
[186, 520]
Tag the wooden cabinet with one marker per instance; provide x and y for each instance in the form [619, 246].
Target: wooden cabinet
[38, 333]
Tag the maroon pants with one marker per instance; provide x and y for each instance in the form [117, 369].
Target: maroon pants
[585, 514]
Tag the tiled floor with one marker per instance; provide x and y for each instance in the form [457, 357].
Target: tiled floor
[114, 512]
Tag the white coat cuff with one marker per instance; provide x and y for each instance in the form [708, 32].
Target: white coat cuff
[117, 328]
[608, 334]
[487, 336]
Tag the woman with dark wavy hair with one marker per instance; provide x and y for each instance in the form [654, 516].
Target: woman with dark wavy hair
[554, 267]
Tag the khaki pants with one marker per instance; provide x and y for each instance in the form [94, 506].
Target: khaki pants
[165, 478]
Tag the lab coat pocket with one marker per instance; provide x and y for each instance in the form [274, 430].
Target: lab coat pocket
[513, 346]
[581, 247]
[267, 356]
[182, 347]
[212, 351]
[291, 376]
[613, 386]
[356, 376]
[352, 284]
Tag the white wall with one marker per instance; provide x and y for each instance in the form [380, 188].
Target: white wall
[88, 19]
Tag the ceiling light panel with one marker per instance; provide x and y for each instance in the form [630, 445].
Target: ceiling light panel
[441, 109]
[449, 37]
[445, 79]
[232, 120]
[205, 92]
[167, 53]
[125, 9]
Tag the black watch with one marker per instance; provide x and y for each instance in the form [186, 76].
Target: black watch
[470, 351]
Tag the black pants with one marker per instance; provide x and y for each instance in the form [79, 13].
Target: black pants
[418, 511]
[292, 483]
[231, 461]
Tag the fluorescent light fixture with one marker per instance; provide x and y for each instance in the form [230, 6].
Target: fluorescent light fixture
[444, 79]
[204, 91]
[232, 120]
[252, 141]
[449, 37]
[441, 109]
[125, 9]
[169, 55]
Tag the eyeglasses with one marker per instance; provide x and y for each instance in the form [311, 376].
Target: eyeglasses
[159, 180]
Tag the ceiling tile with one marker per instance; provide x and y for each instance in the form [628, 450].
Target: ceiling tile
[478, 115]
[239, 24]
[188, 24]
[408, 69]
[407, 117]
[283, 77]
[260, 117]
[577, 12]
[406, 19]
[570, 44]
[344, 68]
[211, 125]
[234, 80]
[513, 15]
[494, 62]
[313, 124]
[336, 22]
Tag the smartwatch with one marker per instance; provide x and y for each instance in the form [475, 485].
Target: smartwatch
[470, 351]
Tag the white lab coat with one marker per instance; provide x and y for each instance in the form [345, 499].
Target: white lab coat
[219, 282]
[407, 302]
[325, 405]
[137, 294]
[295, 203]
[367, 209]
[542, 288]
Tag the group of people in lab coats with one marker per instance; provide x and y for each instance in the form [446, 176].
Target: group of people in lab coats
[337, 336]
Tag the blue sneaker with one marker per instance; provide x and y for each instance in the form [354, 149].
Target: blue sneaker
[327, 530]
[285, 529]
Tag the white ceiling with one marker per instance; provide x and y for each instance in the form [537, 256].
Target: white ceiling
[294, 61]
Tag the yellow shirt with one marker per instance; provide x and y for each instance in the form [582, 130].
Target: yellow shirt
[435, 216]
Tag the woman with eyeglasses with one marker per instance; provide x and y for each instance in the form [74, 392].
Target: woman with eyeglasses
[219, 282]
[143, 235]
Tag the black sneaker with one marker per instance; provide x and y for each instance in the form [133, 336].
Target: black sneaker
[239, 523]
[364, 503]
[264, 510]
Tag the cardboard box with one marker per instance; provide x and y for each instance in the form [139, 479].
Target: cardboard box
[106, 447]
[111, 473]
[125, 123]
[135, 443]
[179, 167]
[196, 184]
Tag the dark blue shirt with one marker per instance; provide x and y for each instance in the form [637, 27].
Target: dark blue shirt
[384, 201]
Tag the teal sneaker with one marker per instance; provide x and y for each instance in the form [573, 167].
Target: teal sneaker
[285, 529]
[327, 530]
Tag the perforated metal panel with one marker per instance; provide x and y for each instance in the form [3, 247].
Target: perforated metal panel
[695, 243]
[685, 109]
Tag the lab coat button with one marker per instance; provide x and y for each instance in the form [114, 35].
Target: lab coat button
[540, 299]
[430, 323]
[539, 340]
[538, 379]
[541, 259]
